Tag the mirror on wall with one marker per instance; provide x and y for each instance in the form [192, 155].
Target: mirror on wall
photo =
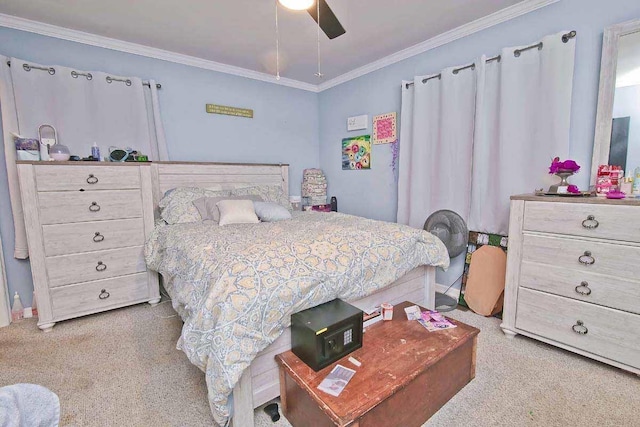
[617, 139]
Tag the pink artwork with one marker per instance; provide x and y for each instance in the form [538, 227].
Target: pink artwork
[384, 128]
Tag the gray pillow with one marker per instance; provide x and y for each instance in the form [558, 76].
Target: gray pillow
[271, 212]
[207, 208]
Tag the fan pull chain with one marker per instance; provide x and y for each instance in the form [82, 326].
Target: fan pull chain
[277, 44]
[318, 74]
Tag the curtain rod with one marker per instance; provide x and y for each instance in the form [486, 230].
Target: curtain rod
[565, 39]
[88, 76]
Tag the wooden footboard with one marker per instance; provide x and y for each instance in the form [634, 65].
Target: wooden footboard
[260, 382]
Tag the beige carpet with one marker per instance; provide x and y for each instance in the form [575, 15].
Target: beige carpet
[121, 368]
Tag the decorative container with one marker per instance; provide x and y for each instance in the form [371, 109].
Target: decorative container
[59, 152]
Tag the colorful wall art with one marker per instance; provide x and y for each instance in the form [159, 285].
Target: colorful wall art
[356, 153]
[384, 128]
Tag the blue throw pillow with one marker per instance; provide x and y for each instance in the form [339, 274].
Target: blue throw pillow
[271, 212]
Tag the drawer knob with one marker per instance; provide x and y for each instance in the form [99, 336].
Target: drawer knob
[104, 294]
[583, 289]
[101, 266]
[95, 207]
[579, 328]
[98, 237]
[586, 258]
[92, 179]
[590, 223]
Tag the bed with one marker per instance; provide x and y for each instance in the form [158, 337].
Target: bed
[213, 273]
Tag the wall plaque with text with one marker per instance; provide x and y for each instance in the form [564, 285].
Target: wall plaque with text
[229, 111]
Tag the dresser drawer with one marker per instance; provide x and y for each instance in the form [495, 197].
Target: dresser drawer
[63, 239]
[68, 269]
[75, 300]
[89, 177]
[609, 221]
[608, 291]
[76, 206]
[609, 333]
[608, 259]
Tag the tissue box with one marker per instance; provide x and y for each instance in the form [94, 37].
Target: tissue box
[27, 148]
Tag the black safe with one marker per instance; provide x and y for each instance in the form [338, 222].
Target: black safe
[323, 334]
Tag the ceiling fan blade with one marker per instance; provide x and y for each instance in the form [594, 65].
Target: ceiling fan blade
[328, 21]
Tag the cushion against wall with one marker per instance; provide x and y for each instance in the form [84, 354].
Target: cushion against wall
[269, 193]
[237, 212]
[177, 206]
[485, 284]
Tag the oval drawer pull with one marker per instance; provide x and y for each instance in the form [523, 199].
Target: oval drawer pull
[98, 237]
[101, 266]
[583, 289]
[586, 258]
[95, 207]
[579, 328]
[92, 179]
[590, 223]
[104, 294]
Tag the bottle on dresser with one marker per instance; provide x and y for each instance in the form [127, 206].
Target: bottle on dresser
[17, 310]
[636, 183]
[626, 185]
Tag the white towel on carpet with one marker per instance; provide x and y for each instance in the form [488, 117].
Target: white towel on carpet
[28, 405]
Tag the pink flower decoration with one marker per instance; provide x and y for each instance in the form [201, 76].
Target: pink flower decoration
[573, 189]
[570, 165]
[567, 165]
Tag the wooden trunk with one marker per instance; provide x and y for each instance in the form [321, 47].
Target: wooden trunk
[407, 374]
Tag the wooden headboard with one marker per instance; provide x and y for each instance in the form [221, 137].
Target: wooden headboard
[168, 175]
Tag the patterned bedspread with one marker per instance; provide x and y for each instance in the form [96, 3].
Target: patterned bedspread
[238, 285]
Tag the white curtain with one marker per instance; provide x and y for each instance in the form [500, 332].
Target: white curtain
[522, 123]
[478, 149]
[84, 107]
[436, 149]
[156, 130]
[5, 309]
[9, 126]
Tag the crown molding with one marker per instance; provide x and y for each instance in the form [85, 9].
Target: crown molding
[480, 24]
[472, 27]
[141, 50]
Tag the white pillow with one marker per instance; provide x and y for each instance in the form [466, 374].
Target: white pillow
[207, 205]
[237, 212]
[271, 212]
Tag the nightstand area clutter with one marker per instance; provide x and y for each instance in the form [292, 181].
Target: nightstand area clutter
[406, 375]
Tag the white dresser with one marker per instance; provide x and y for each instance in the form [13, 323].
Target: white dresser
[573, 276]
[86, 227]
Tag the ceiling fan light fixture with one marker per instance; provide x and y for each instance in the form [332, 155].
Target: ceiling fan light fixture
[297, 4]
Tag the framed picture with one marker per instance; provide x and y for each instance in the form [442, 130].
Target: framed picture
[384, 128]
[356, 153]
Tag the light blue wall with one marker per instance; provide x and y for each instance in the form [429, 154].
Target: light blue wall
[374, 193]
[305, 129]
[284, 128]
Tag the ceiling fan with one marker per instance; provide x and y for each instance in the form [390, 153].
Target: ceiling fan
[328, 21]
